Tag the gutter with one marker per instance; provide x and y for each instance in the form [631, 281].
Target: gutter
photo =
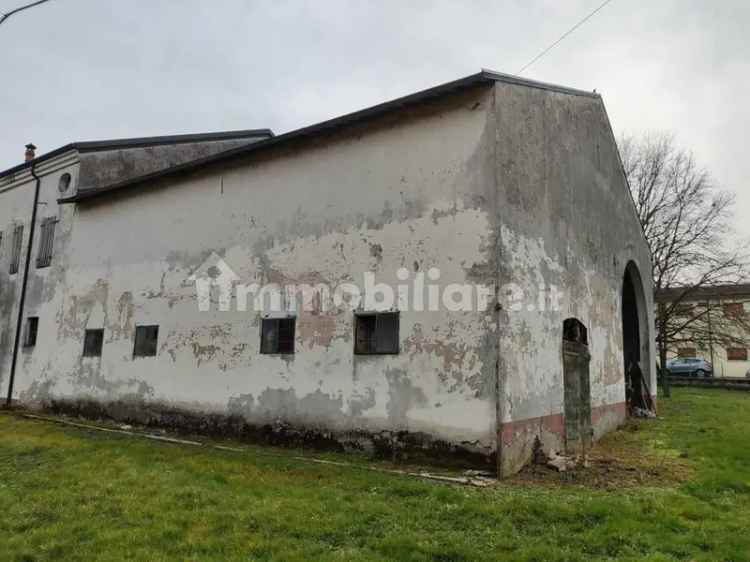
[24, 284]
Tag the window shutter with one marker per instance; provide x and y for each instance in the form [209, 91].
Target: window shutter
[286, 335]
[269, 336]
[386, 333]
[364, 333]
[46, 242]
[15, 257]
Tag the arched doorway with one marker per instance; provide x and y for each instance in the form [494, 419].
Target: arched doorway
[577, 387]
[636, 342]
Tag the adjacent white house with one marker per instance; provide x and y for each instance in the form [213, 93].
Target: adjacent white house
[157, 284]
[717, 325]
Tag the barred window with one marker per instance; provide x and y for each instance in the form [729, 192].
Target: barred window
[15, 251]
[146, 338]
[92, 343]
[376, 333]
[737, 354]
[46, 242]
[277, 335]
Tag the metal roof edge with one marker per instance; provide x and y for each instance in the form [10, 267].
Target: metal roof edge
[520, 81]
[136, 142]
[87, 146]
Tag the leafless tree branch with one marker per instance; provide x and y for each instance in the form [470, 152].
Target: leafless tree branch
[687, 222]
[5, 16]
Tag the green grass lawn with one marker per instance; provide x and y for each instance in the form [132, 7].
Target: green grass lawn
[73, 494]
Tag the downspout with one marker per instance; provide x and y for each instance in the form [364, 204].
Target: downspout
[497, 307]
[24, 284]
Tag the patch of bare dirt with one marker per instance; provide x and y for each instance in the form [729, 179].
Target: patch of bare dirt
[620, 460]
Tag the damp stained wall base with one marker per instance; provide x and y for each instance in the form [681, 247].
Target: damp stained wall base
[397, 446]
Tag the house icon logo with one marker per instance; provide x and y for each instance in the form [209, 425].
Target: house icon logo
[214, 277]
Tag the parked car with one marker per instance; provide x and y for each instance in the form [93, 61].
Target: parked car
[690, 367]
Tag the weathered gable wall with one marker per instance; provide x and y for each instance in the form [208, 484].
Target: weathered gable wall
[410, 191]
[567, 222]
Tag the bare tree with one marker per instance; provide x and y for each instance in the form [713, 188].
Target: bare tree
[6, 15]
[687, 223]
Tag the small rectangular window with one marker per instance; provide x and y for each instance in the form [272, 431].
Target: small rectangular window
[146, 338]
[15, 250]
[376, 333]
[683, 310]
[734, 309]
[92, 343]
[32, 329]
[737, 354]
[46, 242]
[277, 335]
[687, 352]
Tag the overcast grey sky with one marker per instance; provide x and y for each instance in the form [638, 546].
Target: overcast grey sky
[92, 69]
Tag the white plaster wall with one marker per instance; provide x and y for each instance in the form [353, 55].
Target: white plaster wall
[405, 193]
[16, 202]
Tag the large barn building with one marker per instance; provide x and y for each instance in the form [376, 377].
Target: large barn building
[133, 277]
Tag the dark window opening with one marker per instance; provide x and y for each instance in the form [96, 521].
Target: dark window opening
[575, 331]
[46, 241]
[32, 329]
[376, 333]
[15, 255]
[92, 343]
[734, 309]
[277, 335]
[683, 310]
[737, 354]
[64, 183]
[146, 338]
[687, 352]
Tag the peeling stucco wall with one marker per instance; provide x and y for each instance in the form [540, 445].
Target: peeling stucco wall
[495, 185]
[16, 202]
[407, 191]
[567, 221]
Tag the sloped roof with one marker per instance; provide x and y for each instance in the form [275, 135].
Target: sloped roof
[482, 77]
[138, 142]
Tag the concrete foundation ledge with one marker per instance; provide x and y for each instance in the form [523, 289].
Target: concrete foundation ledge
[398, 446]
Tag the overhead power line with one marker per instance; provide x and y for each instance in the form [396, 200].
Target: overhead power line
[5, 16]
[563, 36]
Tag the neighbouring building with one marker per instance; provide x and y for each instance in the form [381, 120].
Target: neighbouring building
[718, 325]
[507, 190]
